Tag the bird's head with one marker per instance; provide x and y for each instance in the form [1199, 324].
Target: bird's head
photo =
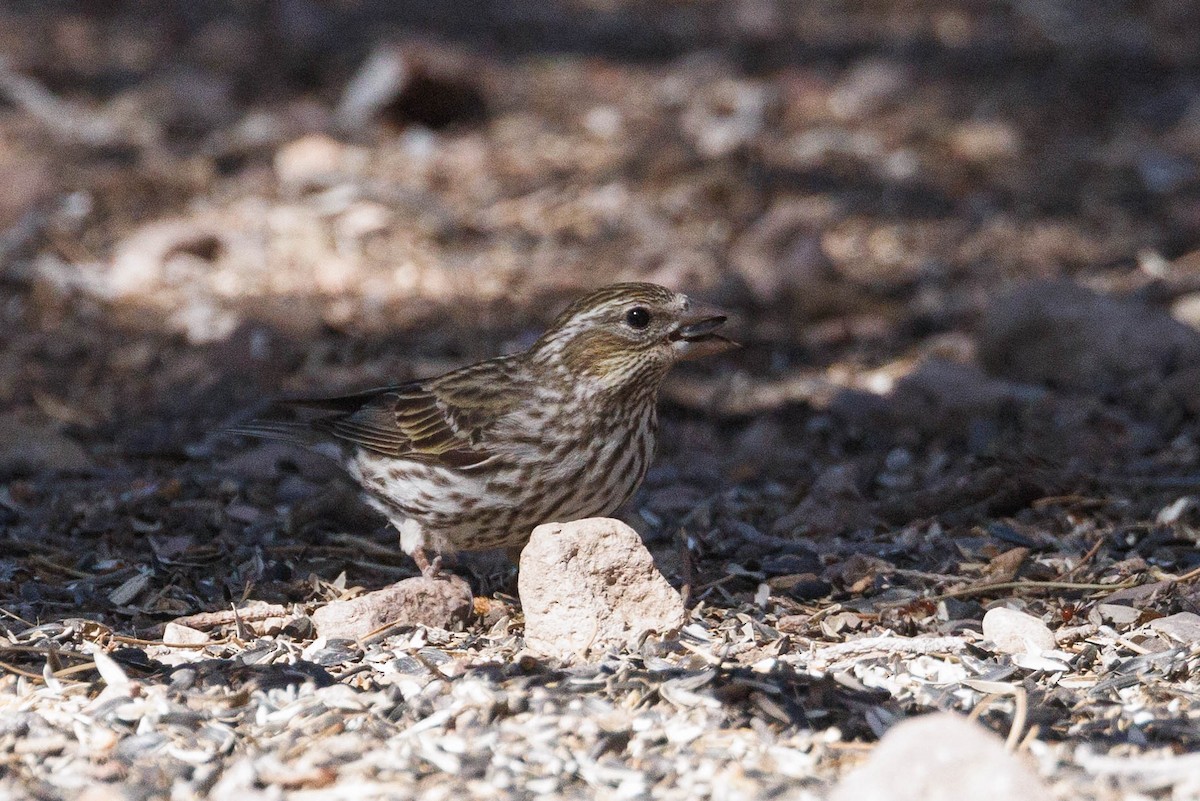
[629, 333]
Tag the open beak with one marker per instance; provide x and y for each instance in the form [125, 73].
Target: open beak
[696, 336]
[698, 330]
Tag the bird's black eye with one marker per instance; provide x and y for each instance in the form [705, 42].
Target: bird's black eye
[638, 317]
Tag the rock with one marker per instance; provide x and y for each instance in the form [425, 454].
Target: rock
[1064, 336]
[725, 116]
[803, 586]
[982, 141]
[1186, 309]
[317, 161]
[444, 603]
[28, 181]
[941, 395]
[834, 503]
[1014, 632]
[29, 444]
[265, 462]
[1117, 615]
[868, 87]
[782, 251]
[103, 792]
[940, 757]
[186, 98]
[1163, 172]
[1005, 566]
[1177, 511]
[1183, 627]
[591, 585]
[169, 252]
[179, 634]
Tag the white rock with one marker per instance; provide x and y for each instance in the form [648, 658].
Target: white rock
[728, 115]
[179, 634]
[590, 585]
[316, 160]
[1015, 632]
[940, 757]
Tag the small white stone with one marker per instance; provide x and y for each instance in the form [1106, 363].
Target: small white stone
[179, 634]
[1014, 632]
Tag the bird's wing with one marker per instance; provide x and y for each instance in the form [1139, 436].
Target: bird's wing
[442, 420]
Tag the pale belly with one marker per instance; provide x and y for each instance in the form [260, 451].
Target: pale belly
[498, 503]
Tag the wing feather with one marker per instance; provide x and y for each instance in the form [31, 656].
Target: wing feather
[441, 420]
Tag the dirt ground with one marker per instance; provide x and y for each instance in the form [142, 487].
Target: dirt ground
[960, 241]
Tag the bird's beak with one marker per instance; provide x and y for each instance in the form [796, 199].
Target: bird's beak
[697, 330]
[696, 336]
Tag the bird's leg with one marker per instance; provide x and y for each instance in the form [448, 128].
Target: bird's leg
[429, 568]
[414, 543]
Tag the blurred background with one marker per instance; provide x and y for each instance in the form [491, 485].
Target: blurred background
[856, 177]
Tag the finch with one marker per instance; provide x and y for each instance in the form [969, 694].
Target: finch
[477, 457]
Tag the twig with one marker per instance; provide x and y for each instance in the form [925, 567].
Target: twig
[1019, 717]
[238, 626]
[42, 561]
[68, 671]
[58, 674]
[193, 645]
[1075, 633]
[363, 545]
[15, 617]
[1087, 557]
[984, 589]
[19, 672]
[37, 649]
[716, 584]
[1029, 737]
[210, 620]
[1188, 576]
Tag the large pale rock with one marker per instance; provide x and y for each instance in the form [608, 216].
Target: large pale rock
[444, 603]
[591, 585]
[1014, 632]
[940, 757]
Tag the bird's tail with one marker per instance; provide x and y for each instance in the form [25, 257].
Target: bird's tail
[278, 430]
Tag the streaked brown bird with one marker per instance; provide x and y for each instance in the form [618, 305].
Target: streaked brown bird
[477, 457]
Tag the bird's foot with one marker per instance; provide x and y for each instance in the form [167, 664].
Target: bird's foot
[430, 568]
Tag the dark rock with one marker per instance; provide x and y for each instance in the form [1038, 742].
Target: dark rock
[1066, 337]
